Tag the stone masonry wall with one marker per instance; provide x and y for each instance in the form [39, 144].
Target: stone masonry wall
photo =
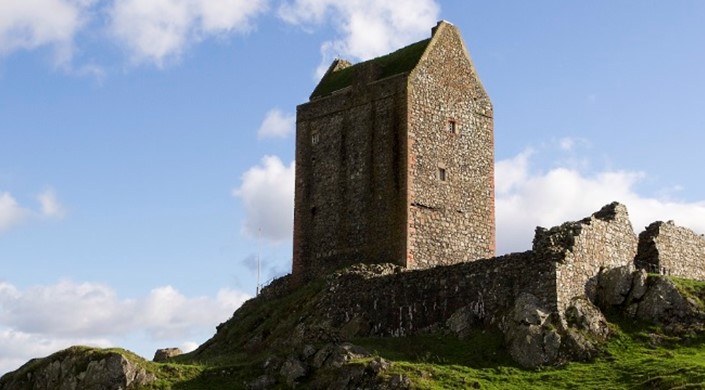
[582, 249]
[450, 220]
[416, 301]
[350, 181]
[671, 250]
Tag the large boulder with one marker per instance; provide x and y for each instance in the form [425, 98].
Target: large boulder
[585, 332]
[663, 303]
[80, 368]
[531, 339]
[164, 354]
[614, 285]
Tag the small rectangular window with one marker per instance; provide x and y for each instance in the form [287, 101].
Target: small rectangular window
[441, 174]
[452, 126]
[314, 138]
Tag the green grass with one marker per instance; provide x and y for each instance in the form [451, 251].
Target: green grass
[632, 361]
[690, 288]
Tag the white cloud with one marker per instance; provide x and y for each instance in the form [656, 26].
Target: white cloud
[267, 192]
[527, 198]
[42, 319]
[276, 124]
[369, 28]
[70, 309]
[11, 213]
[18, 347]
[50, 205]
[157, 30]
[29, 24]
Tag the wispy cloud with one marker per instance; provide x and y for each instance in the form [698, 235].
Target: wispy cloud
[50, 205]
[277, 124]
[156, 31]
[528, 197]
[267, 194]
[42, 319]
[12, 213]
[30, 24]
[367, 28]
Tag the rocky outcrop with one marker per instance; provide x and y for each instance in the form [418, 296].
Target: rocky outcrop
[648, 298]
[536, 337]
[164, 354]
[80, 368]
[531, 338]
[332, 366]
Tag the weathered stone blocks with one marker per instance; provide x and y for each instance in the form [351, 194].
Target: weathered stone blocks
[671, 250]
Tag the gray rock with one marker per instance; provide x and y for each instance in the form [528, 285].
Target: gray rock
[533, 346]
[662, 303]
[307, 351]
[638, 285]
[400, 382]
[79, 368]
[614, 286]
[576, 346]
[378, 365]
[292, 370]
[162, 355]
[461, 321]
[527, 310]
[584, 316]
[261, 383]
[530, 341]
[345, 352]
[319, 359]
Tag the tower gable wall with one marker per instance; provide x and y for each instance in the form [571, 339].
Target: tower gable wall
[451, 218]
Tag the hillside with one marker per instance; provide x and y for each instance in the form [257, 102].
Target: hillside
[636, 355]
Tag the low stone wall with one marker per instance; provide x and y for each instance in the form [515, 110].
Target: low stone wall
[410, 302]
[671, 250]
[581, 249]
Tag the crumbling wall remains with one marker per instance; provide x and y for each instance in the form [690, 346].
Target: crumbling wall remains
[671, 250]
[581, 249]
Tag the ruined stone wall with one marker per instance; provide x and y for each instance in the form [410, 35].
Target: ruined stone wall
[450, 220]
[416, 301]
[671, 250]
[350, 181]
[581, 249]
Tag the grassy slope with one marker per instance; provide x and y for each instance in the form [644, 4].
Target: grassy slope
[631, 360]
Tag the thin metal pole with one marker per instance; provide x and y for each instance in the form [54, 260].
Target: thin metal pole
[259, 232]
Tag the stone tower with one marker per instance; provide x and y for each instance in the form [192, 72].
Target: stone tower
[395, 162]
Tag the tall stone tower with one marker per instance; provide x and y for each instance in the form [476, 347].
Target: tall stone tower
[395, 162]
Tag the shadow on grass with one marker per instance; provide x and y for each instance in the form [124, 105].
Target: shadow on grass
[482, 348]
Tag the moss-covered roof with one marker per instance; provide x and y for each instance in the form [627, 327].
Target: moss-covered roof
[400, 61]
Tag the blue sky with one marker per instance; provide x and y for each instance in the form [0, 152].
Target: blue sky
[146, 146]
